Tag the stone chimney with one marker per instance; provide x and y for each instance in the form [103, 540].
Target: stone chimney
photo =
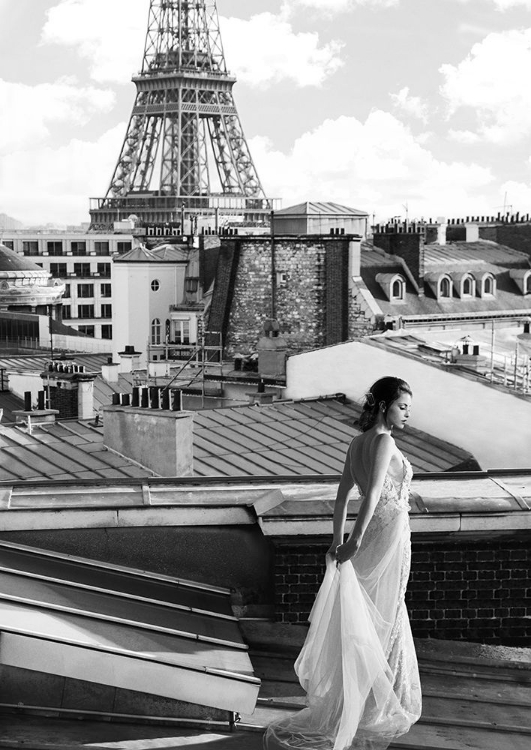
[272, 352]
[159, 439]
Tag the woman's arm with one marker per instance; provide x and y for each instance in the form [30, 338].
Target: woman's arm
[340, 506]
[382, 450]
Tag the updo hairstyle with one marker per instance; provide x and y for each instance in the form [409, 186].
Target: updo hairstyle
[385, 390]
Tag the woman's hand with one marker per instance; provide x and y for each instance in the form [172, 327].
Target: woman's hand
[344, 552]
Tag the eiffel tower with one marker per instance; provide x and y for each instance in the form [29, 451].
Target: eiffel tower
[184, 129]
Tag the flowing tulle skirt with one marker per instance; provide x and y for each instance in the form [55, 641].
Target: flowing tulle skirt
[358, 664]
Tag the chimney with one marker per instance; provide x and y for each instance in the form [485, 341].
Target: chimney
[442, 224]
[408, 244]
[129, 359]
[354, 258]
[272, 352]
[70, 390]
[110, 371]
[32, 418]
[472, 232]
[160, 440]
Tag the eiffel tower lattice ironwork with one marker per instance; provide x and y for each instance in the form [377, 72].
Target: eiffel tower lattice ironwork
[184, 127]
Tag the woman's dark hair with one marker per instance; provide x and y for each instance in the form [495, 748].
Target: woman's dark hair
[385, 390]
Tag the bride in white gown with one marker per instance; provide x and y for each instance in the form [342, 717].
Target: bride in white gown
[358, 663]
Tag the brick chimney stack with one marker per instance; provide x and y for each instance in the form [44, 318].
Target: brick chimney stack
[406, 241]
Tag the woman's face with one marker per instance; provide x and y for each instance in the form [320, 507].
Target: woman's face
[398, 413]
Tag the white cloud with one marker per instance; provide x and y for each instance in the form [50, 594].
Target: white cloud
[331, 7]
[54, 184]
[28, 112]
[109, 34]
[373, 164]
[266, 50]
[410, 105]
[508, 4]
[492, 84]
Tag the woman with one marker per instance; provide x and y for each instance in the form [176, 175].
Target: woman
[358, 664]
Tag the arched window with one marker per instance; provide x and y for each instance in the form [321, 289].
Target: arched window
[528, 284]
[397, 289]
[488, 285]
[155, 331]
[467, 286]
[445, 287]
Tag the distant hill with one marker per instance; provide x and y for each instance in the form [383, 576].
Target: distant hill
[7, 222]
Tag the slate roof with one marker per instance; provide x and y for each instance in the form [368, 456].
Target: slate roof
[298, 438]
[39, 362]
[315, 208]
[282, 439]
[161, 254]
[477, 257]
[65, 450]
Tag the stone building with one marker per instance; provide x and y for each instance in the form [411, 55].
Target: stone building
[305, 282]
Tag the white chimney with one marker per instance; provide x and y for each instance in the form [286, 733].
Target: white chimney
[472, 232]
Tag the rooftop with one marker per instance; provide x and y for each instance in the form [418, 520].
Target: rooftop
[284, 438]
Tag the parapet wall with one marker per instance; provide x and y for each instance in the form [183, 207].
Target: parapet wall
[469, 590]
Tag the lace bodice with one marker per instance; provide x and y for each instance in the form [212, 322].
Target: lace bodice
[393, 493]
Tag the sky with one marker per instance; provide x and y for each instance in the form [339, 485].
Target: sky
[417, 108]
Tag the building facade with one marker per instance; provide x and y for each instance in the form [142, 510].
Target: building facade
[83, 261]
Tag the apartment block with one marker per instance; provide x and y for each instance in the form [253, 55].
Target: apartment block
[84, 262]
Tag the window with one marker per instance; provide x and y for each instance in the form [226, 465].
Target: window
[397, 289]
[488, 286]
[67, 290]
[67, 312]
[182, 331]
[106, 332]
[123, 247]
[79, 248]
[54, 248]
[101, 248]
[155, 285]
[30, 247]
[85, 290]
[467, 286]
[104, 269]
[106, 290]
[528, 284]
[58, 270]
[106, 311]
[8, 243]
[445, 287]
[155, 331]
[82, 270]
[85, 311]
[89, 330]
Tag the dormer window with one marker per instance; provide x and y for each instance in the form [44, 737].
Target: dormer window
[488, 285]
[522, 278]
[393, 286]
[445, 287]
[468, 286]
[398, 288]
